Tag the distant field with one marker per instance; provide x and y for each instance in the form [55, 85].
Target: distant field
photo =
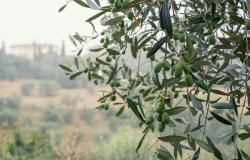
[32, 106]
[95, 126]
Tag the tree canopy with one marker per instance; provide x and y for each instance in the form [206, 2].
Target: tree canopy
[179, 66]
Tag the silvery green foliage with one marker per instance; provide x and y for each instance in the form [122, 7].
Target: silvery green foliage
[181, 67]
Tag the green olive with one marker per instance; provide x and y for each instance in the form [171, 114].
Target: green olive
[176, 94]
[161, 127]
[113, 98]
[105, 45]
[165, 117]
[166, 65]
[189, 80]
[130, 15]
[159, 117]
[158, 67]
[159, 107]
[178, 70]
[118, 4]
[108, 59]
[186, 57]
[176, 36]
[106, 106]
[149, 119]
[211, 39]
[102, 40]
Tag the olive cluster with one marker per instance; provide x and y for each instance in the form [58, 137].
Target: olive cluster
[178, 34]
[105, 41]
[179, 68]
[162, 115]
[119, 3]
[164, 64]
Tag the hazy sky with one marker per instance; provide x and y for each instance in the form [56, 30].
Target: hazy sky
[22, 21]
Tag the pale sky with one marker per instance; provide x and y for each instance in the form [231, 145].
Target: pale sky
[22, 21]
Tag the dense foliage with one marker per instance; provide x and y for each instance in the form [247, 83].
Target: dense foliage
[198, 72]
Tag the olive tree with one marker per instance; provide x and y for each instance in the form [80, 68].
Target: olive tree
[182, 68]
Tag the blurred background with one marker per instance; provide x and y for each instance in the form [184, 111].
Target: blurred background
[43, 115]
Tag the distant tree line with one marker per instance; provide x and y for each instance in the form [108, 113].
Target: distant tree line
[44, 67]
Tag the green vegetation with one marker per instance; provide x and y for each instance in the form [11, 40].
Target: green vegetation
[47, 137]
[51, 114]
[120, 146]
[68, 117]
[26, 89]
[27, 146]
[174, 81]
[202, 91]
[8, 118]
[47, 88]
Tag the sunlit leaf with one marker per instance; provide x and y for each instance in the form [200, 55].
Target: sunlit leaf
[81, 3]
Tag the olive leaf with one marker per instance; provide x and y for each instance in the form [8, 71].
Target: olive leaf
[176, 110]
[166, 19]
[95, 16]
[222, 106]
[141, 141]
[221, 119]
[204, 145]
[133, 106]
[216, 150]
[196, 103]
[62, 8]
[200, 83]
[81, 3]
[66, 68]
[163, 154]
[156, 80]
[157, 46]
[172, 138]
[161, 18]
[196, 154]
[114, 21]
[74, 75]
